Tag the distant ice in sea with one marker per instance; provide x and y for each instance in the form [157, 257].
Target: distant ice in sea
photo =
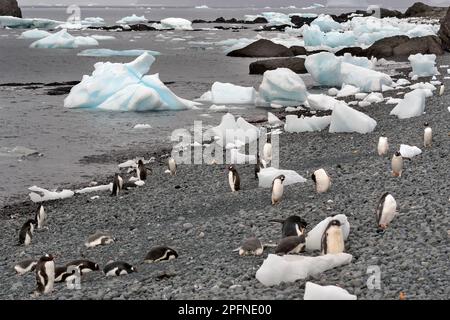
[112, 53]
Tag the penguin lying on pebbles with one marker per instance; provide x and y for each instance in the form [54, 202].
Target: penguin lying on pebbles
[397, 164]
[40, 216]
[141, 170]
[292, 226]
[85, 266]
[172, 166]
[252, 247]
[333, 238]
[118, 268]
[25, 266]
[277, 189]
[233, 179]
[160, 253]
[427, 135]
[45, 274]
[383, 146]
[26, 232]
[63, 274]
[99, 238]
[321, 180]
[291, 245]
[117, 185]
[386, 211]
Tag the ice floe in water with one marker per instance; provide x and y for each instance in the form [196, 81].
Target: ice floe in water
[103, 37]
[423, 65]
[289, 268]
[63, 40]
[317, 292]
[142, 126]
[34, 34]
[237, 132]
[326, 23]
[306, 124]
[314, 237]
[132, 19]
[24, 23]
[173, 23]
[346, 119]
[412, 105]
[112, 53]
[409, 151]
[124, 87]
[266, 176]
[41, 194]
[282, 86]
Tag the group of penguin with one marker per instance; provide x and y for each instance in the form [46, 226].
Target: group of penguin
[293, 228]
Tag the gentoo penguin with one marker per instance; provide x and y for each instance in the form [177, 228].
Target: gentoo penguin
[233, 179]
[99, 238]
[84, 266]
[333, 238]
[160, 253]
[383, 146]
[40, 216]
[277, 189]
[172, 166]
[26, 232]
[427, 135]
[141, 171]
[441, 90]
[62, 274]
[118, 268]
[386, 210]
[289, 245]
[267, 149]
[397, 164]
[117, 185]
[292, 226]
[25, 266]
[251, 247]
[321, 180]
[45, 274]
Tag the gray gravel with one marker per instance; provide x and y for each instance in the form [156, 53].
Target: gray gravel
[204, 221]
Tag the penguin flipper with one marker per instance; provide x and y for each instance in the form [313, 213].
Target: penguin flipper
[276, 220]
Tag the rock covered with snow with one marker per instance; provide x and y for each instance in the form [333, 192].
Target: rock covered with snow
[282, 86]
[266, 176]
[314, 237]
[317, 292]
[346, 119]
[289, 268]
[412, 105]
[124, 87]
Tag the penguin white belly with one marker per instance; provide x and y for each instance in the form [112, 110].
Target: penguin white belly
[427, 137]
[335, 241]
[172, 166]
[383, 146]
[267, 151]
[389, 210]
[27, 239]
[50, 271]
[138, 173]
[112, 272]
[323, 181]
[397, 165]
[231, 180]
[123, 272]
[277, 191]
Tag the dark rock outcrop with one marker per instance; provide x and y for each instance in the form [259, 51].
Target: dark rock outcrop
[10, 8]
[295, 64]
[354, 51]
[260, 49]
[300, 21]
[297, 51]
[420, 9]
[444, 31]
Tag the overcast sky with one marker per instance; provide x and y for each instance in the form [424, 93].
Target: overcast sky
[226, 3]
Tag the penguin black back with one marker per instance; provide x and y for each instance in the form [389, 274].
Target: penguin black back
[236, 180]
[142, 171]
[160, 253]
[26, 232]
[292, 226]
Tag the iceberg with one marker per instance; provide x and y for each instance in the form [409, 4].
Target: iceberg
[326, 23]
[63, 40]
[277, 18]
[106, 187]
[316, 292]
[359, 61]
[321, 102]
[282, 85]
[41, 194]
[266, 176]
[236, 132]
[314, 237]
[346, 119]
[347, 90]
[412, 105]
[366, 79]
[289, 268]
[132, 19]
[240, 158]
[202, 7]
[409, 151]
[102, 37]
[308, 124]
[142, 126]
[227, 93]
[273, 120]
[34, 34]
[374, 97]
[217, 108]
[423, 65]
[23, 23]
[124, 87]
[173, 23]
[112, 53]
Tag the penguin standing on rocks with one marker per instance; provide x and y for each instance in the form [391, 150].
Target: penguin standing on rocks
[277, 189]
[233, 179]
[25, 266]
[40, 216]
[291, 245]
[141, 171]
[386, 211]
[292, 226]
[117, 185]
[321, 180]
[118, 268]
[267, 149]
[99, 238]
[26, 232]
[383, 146]
[160, 253]
[45, 274]
[84, 266]
[427, 135]
[333, 238]
[441, 90]
[397, 164]
[172, 166]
